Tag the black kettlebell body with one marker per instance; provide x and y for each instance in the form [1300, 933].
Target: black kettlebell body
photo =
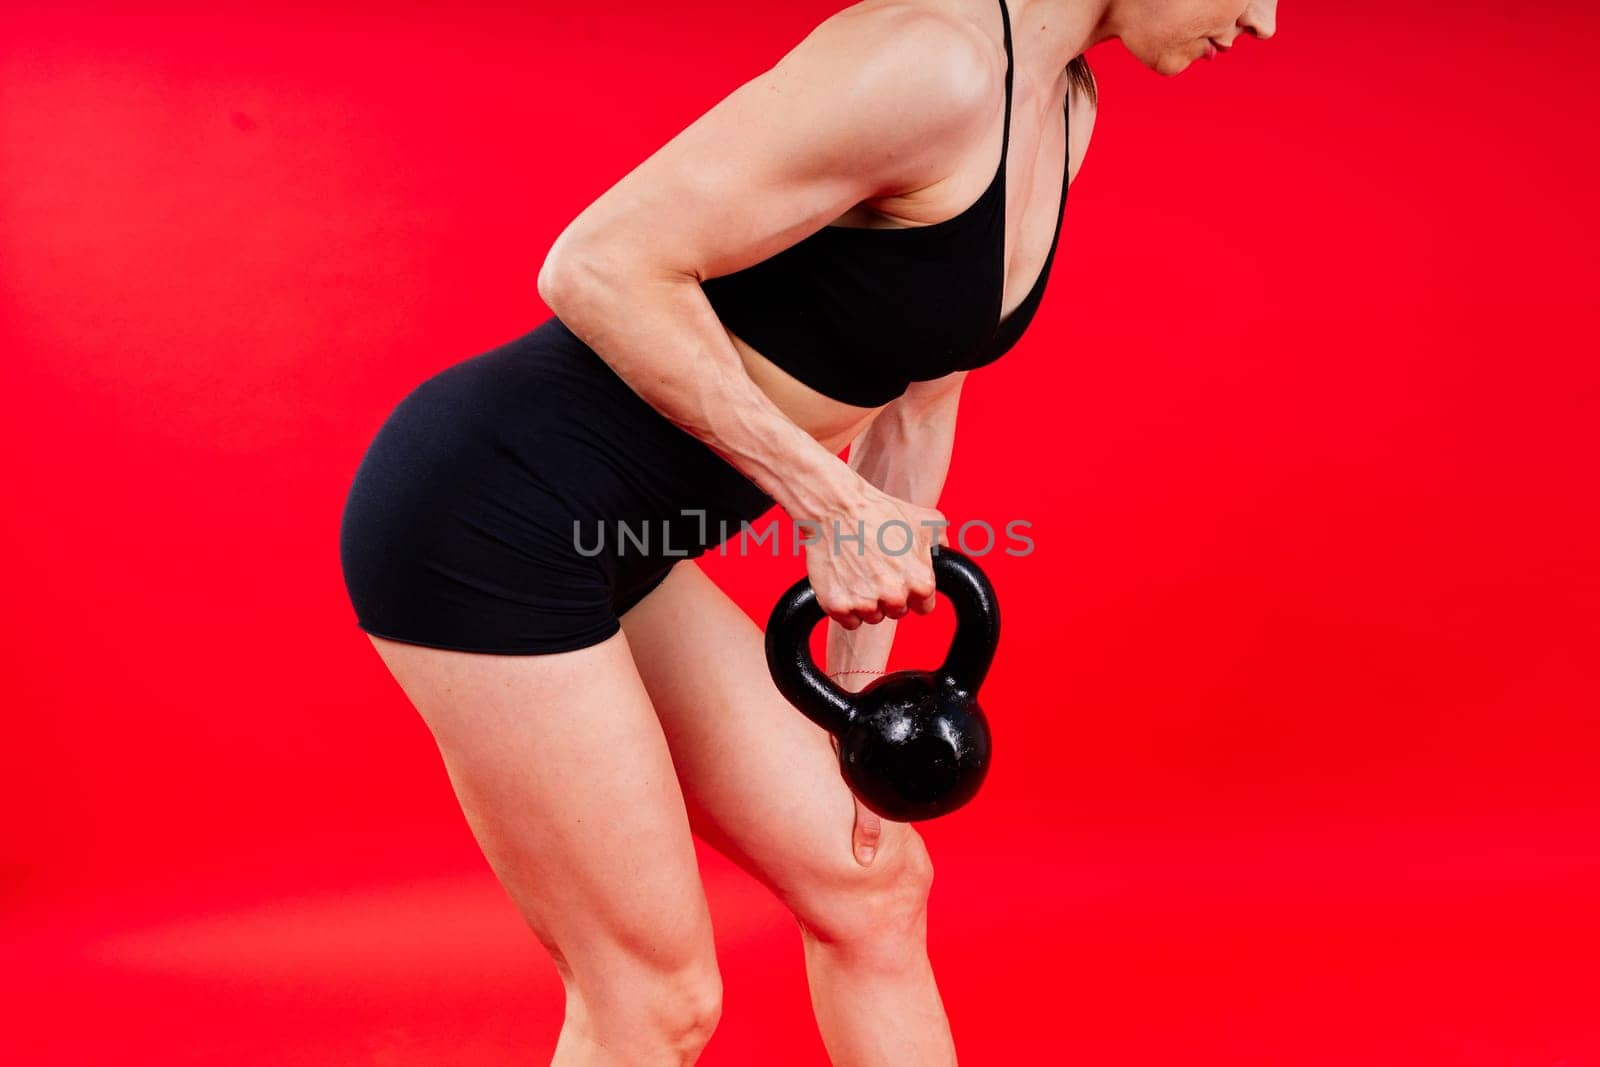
[913, 745]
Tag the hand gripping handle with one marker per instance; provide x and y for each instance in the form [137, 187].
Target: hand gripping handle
[816, 695]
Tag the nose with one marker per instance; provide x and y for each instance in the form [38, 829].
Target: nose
[1260, 20]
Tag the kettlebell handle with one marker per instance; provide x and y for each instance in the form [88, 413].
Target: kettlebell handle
[825, 703]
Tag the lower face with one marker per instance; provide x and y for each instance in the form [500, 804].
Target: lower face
[1168, 35]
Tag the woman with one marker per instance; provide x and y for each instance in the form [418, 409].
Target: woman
[818, 260]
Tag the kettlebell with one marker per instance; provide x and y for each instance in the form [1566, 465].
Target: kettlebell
[913, 745]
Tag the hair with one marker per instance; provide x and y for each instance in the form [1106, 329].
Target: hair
[1082, 78]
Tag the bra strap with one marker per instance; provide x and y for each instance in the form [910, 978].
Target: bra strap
[1005, 131]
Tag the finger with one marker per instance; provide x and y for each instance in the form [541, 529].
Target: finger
[871, 618]
[922, 605]
[846, 619]
[868, 830]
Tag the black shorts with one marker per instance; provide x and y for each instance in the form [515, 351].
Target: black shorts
[521, 500]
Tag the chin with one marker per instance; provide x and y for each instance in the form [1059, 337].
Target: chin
[1170, 66]
[1167, 64]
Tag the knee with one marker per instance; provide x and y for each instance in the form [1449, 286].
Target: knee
[652, 1018]
[687, 1011]
[878, 909]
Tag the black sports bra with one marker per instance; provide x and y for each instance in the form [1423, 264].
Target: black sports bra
[858, 313]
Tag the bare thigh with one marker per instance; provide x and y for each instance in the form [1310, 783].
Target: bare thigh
[565, 778]
[762, 781]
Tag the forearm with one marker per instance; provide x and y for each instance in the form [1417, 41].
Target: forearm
[658, 332]
[905, 452]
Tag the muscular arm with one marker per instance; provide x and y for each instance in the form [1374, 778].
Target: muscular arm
[871, 103]
[905, 451]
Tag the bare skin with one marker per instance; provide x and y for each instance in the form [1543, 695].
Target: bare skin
[584, 774]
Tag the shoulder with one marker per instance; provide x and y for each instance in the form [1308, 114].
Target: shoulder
[918, 72]
[887, 91]
[897, 39]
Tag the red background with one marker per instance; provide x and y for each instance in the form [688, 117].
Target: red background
[1298, 706]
